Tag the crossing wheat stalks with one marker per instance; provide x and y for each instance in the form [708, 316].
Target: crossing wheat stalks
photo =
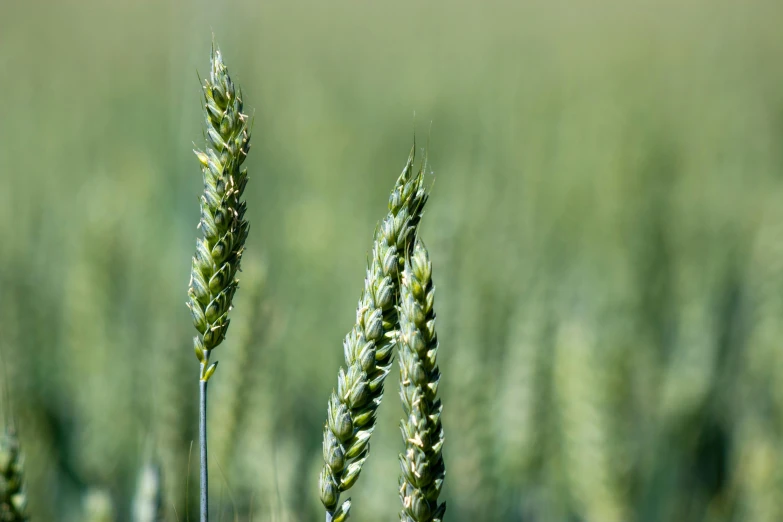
[422, 464]
[219, 251]
[368, 347]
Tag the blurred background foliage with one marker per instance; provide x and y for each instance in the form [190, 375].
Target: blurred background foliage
[606, 228]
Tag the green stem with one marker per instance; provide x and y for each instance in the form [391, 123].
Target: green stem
[202, 439]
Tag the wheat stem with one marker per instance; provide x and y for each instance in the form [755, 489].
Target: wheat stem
[369, 346]
[202, 441]
[422, 464]
[219, 251]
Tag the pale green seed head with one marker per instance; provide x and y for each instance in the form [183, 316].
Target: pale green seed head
[422, 469]
[369, 346]
[13, 498]
[219, 252]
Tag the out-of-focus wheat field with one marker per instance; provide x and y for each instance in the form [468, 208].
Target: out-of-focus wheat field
[605, 225]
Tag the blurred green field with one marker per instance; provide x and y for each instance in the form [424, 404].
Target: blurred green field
[606, 229]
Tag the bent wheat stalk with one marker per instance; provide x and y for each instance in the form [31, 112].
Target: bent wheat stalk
[219, 251]
[369, 346]
[422, 464]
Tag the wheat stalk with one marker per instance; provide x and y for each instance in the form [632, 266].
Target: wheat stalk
[422, 464]
[13, 499]
[218, 253]
[369, 346]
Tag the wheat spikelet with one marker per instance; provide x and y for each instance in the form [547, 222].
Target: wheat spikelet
[520, 409]
[369, 345]
[517, 411]
[689, 375]
[472, 396]
[232, 390]
[422, 464]
[266, 479]
[98, 506]
[87, 318]
[758, 469]
[219, 252]
[757, 474]
[170, 418]
[13, 499]
[148, 500]
[583, 419]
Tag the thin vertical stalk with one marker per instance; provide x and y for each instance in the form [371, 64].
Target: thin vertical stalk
[202, 440]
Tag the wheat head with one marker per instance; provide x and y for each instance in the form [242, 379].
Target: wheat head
[219, 251]
[148, 499]
[422, 464]
[13, 499]
[368, 347]
[98, 506]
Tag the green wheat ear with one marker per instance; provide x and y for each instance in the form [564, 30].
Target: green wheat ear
[13, 499]
[369, 346]
[148, 499]
[219, 251]
[422, 464]
[98, 506]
